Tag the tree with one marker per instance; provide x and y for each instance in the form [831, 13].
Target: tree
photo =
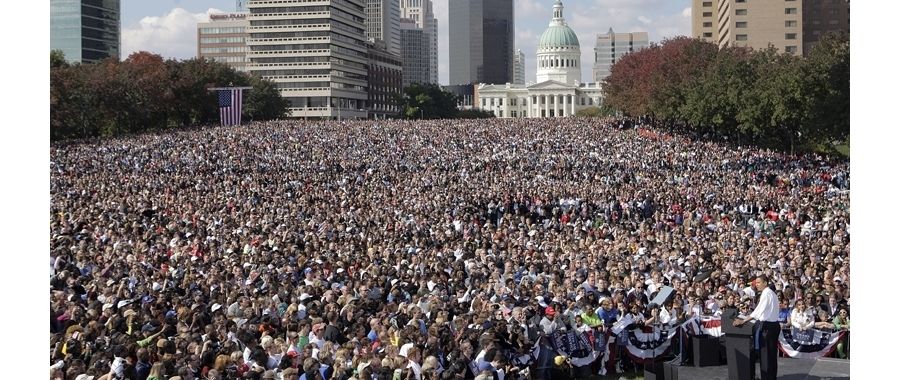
[428, 101]
[145, 93]
[590, 112]
[58, 59]
[264, 102]
[827, 72]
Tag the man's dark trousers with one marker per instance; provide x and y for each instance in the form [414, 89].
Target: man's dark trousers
[767, 343]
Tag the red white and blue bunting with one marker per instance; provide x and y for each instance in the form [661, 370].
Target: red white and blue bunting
[645, 344]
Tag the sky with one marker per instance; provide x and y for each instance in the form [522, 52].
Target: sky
[168, 27]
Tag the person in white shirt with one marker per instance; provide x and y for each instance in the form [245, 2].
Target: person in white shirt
[767, 330]
[801, 317]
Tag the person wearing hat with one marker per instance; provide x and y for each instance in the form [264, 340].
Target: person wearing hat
[550, 322]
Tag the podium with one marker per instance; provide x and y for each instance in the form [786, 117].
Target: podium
[738, 347]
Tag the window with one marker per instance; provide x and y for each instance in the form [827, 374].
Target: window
[790, 11]
[501, 101]
[513, 114]
[707, 14]
[740, 12]
[740, 1]
[707, 35]
[740, 37]
[790, 49]
[740, 24]
[790, 36]
[501, 113]
[492, 102]
[707, 4]
[707, 25]
[483, 102]
[790, 24]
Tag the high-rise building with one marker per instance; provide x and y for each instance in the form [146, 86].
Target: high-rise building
[240, 5]
[224, 39]
[613, 46]
[415, 49]
[791, 26]
[422, 14]
[314, 51]
[481, 39]
[822, 17]
[86, 31]
[519, 67]
[385, 77]
[383, 24]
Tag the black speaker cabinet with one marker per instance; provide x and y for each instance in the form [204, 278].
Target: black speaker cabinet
[706, 351]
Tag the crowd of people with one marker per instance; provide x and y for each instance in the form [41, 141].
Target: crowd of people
[442, 249]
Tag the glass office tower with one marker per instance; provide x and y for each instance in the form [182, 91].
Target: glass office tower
[86, 31]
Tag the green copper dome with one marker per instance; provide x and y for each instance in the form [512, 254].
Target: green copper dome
[557, 36]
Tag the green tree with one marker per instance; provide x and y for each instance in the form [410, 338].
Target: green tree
[590, 112]
[264, 102]
[58, 59]
[428, 101]
[827, 72]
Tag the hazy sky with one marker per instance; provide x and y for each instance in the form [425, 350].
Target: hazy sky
[168, 27]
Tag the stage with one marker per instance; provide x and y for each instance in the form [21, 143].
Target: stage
[788, 369]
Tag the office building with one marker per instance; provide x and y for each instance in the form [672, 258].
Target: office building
[385, 83]
[383, 24]
[519, 67]
[422, 15]
[87, 31]
[414, 55]
[481, 39]
[613, 46]
[823, 17]
[315, 53]
[224, 39]
[791, 26]
[559, 91]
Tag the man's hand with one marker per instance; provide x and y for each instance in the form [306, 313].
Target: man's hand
[738, 322]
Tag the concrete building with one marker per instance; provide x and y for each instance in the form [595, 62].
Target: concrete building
[791, 26]
[314, 51]
[414, 53]
[385, 78]
[86, 31]
[224, 39]
[559, 91]
[383, 24]
[421, 13]
[613, 46]
[519, 67]
[482, 40]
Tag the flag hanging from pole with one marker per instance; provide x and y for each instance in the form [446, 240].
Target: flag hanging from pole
[230, 101]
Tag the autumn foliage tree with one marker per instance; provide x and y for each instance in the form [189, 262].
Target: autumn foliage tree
[146, 93]
[758, 96]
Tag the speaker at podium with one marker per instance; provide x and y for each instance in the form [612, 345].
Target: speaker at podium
[738, 346]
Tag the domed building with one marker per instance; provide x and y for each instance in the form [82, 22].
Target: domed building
[558, 91]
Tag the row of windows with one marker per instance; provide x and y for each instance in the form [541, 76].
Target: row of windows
[537, 100]
[222, 40]
[223, 30]
[556, 62]
[787, 36]
[289, 9]
[219, 50]
[230, 59]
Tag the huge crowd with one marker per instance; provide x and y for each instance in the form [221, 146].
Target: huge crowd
[420, 249]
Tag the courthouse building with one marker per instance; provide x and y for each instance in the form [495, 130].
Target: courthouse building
[558, 91]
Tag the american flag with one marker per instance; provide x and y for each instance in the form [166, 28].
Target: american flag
[230, 101]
